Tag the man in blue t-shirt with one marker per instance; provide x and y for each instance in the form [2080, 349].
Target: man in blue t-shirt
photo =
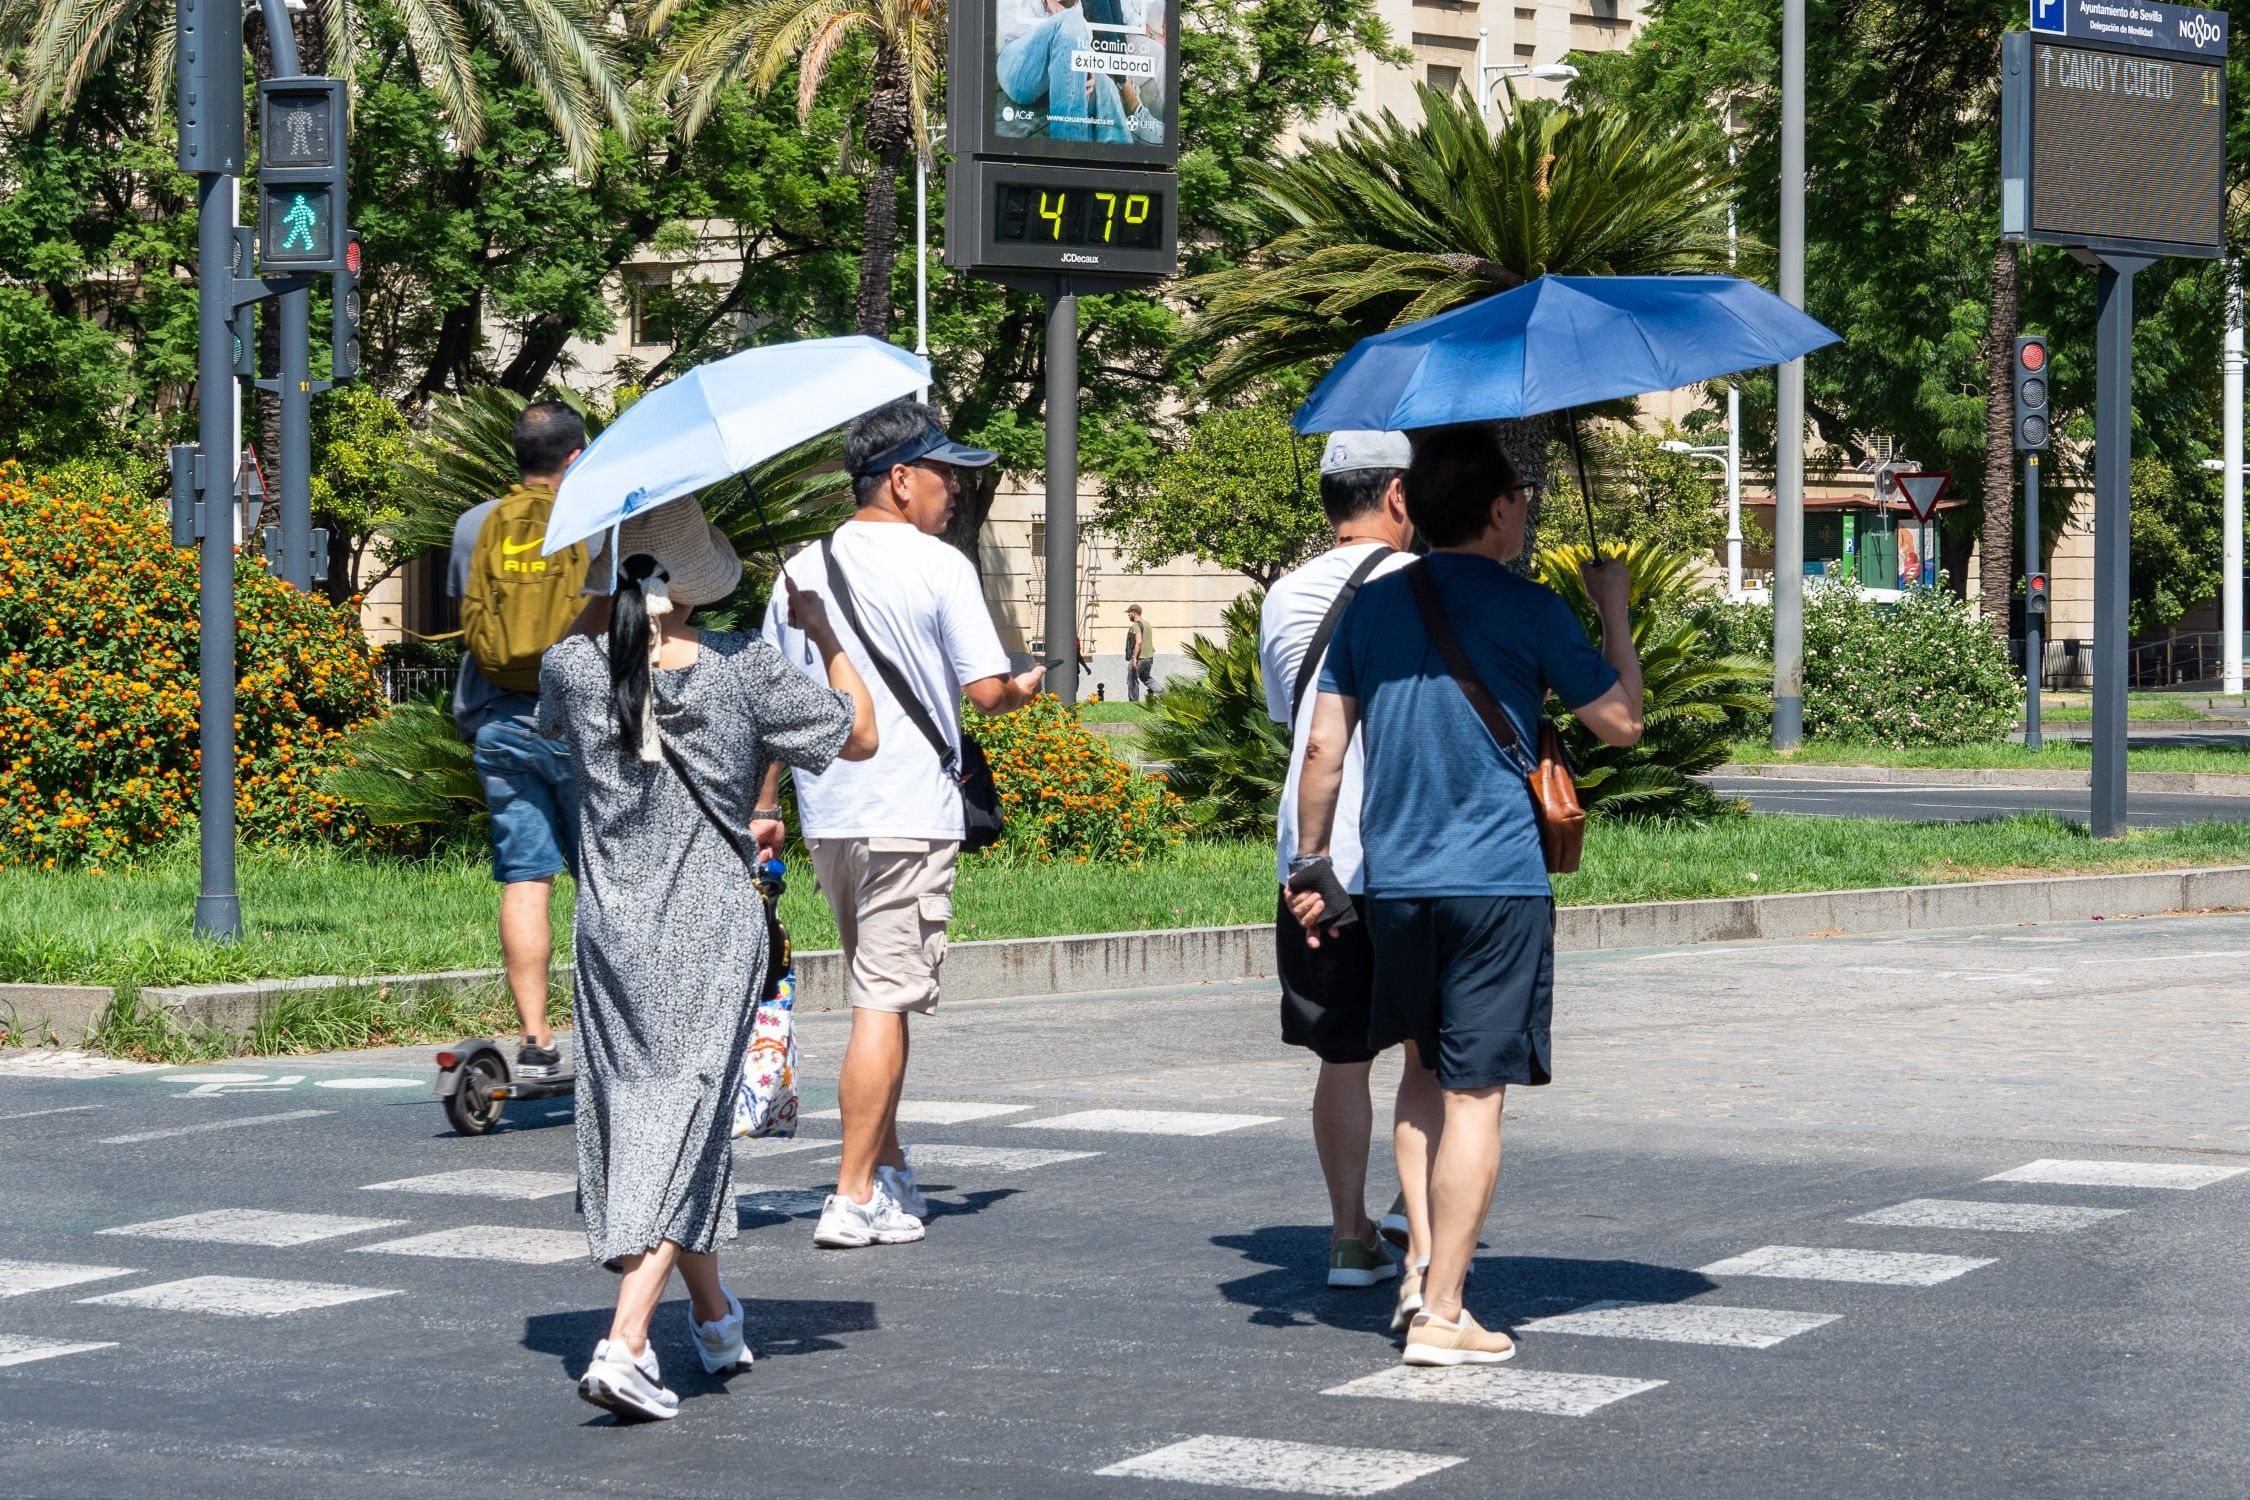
[1458, 903]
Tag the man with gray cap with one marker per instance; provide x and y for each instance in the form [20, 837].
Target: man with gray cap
[1325, 991]
[884, 832]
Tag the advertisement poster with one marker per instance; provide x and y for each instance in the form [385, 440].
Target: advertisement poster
[1086, 71]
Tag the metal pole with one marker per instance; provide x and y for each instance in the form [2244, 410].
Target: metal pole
[2230, 578]
[1062, 492]
[2034, 635]
[218, 907]
[2113, 469]
[1484, 72]
[922, 260]
[1789, 464]
[1734, 433]
[294, 311]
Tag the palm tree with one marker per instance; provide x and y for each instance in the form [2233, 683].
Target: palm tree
[560, 47]
[754, 42]
[1391, 223]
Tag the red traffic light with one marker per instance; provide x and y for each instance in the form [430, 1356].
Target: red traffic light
[2039, 583]
[351, 258]
[2033, 356]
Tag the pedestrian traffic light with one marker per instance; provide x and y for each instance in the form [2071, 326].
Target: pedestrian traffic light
[303, 203]
[2032, 429]
[2035, 594]
[243, 324]
[343, 314]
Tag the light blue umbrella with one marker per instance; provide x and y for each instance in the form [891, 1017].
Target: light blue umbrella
[720, 418]
[1556, 343]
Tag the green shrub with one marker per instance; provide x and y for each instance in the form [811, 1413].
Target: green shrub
[1065, 796]
[98, 682]
[1693, 689]
[409, 769]
[1225, 757]
[1923, 671]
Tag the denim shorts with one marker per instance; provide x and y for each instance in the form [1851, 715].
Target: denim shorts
[533, 796]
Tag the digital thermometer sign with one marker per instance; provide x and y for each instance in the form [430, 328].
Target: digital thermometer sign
[1081, 217]
[1091, 222]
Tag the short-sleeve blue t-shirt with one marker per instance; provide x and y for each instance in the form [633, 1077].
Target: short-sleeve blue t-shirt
[1445, 814]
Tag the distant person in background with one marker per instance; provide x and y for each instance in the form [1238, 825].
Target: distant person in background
[1140, 656]
[496, 562]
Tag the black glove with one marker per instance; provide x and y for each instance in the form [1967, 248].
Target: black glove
[1318, 874]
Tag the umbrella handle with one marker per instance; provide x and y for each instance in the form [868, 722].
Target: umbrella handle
[1585, 490]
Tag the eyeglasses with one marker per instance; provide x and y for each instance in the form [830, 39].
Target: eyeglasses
[1530, 489]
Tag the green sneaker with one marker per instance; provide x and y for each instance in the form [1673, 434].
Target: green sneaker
[1354, 1263]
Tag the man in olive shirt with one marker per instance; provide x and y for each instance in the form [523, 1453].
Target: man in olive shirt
[1140, 656]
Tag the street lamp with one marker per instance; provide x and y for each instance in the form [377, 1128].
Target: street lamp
[1728, 458]
[1488, 71]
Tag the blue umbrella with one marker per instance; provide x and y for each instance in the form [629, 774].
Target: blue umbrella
[1556, 343]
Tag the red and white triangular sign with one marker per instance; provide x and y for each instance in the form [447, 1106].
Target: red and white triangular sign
[1923, 491]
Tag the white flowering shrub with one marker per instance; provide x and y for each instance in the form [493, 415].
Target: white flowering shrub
[1923, 671]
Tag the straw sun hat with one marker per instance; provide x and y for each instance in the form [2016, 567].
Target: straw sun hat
[697, 559]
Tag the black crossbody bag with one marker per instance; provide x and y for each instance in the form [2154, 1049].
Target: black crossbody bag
[1327, 630]
[981, 822]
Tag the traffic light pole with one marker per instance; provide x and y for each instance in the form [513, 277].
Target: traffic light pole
[218, 906]
[1789, 461]
[293, 386]
[2034, 619]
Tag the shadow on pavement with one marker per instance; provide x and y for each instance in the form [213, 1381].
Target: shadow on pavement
[775, 1328]
[1507, 1289]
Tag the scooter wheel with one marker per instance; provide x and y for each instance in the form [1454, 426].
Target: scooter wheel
[471, 1107]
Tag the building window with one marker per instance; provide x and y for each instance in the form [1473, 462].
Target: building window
[655, 305]
[1444, 79]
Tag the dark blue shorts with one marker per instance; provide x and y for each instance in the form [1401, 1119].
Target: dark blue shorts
[533, 796]
[1470, 980]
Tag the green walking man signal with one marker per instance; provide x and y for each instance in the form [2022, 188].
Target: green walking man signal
[298, 223]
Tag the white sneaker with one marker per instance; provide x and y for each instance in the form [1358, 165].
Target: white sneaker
[899, 1183]
[845, 1225]
[719, 1345]
[630, 1387]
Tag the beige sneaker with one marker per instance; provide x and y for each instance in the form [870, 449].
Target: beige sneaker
[1433, 1341]
[1409, 1297]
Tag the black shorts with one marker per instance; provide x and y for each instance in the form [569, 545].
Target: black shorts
[1470, 980]
[1325, 990]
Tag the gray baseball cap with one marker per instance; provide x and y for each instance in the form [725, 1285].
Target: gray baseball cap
[1348, 452]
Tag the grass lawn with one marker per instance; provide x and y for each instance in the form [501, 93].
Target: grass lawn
[1113, 711]
[2058, 755]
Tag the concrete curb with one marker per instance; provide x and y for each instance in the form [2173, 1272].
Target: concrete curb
[2192, 783]
[1108, 962]
[30, 1012]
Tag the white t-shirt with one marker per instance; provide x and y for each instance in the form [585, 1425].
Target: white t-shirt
[1294, 608]
[919, 599]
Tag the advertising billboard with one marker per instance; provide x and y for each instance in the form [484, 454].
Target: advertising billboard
[1068, 80]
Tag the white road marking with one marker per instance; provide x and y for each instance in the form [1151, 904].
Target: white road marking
[2169, 958]
[235, 1124]
[253, 1226]
[523, 1247]
[205, 1080]
[372, 1083]
[1498, 1387]
[16, 1350]
[67, 1109]
[1147, 1122]
[213, 1087]
[1683, 1323]
[778, 1145]
[2184, 1176]
[936, 1112]
[788, 1202]
[1292, 1468]
[1875, 1267]
[70, 1063]
[990, 1158]
[2045, 940]
[20, 1276]
[1963, 1213]
[482, 1182]
[239, 1296]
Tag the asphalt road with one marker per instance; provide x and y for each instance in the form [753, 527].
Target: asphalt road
[1914, 803]
[1948, 1214]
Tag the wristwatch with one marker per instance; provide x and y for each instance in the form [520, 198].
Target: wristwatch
[765, 814]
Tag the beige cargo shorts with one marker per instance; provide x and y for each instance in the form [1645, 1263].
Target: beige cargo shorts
[892, 899]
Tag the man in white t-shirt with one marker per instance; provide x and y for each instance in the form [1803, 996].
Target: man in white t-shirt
[884, 832]
[1326, 991]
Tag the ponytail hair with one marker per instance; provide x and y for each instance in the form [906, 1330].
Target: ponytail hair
[629, 642]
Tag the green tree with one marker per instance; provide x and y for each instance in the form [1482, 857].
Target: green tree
[361, 475]
[1238, 494]
[1642, 493]
[756, 42]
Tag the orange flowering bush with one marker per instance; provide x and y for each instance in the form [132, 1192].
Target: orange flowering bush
[1065, 796]
[98, 730]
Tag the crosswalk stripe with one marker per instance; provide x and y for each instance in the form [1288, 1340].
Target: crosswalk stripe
[17, 1350]
[987, 1158]
[1964, 1213]
[253, 1226]
[936, 1111]
[1874, 1267]
[1270, 1464]
[239, 1296]
[18, 1277]
[504, 1242]
[1683, 1323]
[2184, 1176]
[788, 1202]
[238, 1122]
[775, 1145]
[1147, 1122]
[482, 1182]
[1498, 1387]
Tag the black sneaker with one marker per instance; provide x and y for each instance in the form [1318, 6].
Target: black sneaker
[535, 1061]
